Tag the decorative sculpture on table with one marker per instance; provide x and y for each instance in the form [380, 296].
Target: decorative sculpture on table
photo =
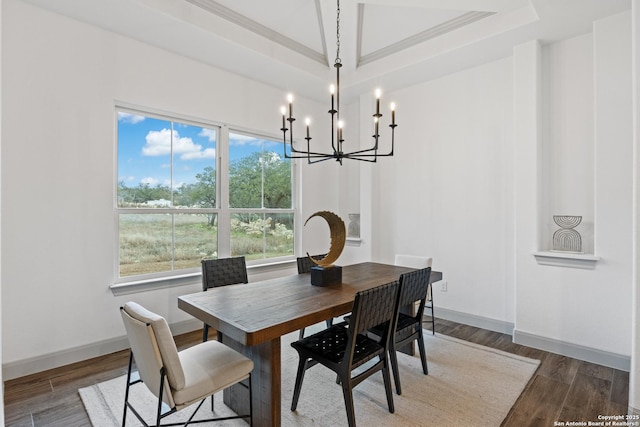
[325, 273]
[566, 239]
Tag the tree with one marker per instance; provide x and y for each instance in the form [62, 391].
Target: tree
[143, 193]
[257, 181]
[246, 181]
[201, 194]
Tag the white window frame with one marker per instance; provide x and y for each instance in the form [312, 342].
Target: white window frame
[130, 284]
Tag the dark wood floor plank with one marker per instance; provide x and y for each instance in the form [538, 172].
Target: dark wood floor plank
[620, 388]
[587, 398]
[540, 405]
[594, 370]
[559, 368]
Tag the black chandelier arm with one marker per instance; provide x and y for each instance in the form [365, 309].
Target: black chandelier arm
[363, 155]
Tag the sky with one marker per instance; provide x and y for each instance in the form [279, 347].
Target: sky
[144, 150]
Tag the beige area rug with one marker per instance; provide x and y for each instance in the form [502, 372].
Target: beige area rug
[467, 385]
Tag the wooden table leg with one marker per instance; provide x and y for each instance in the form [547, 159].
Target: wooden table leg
[409, 349]
[265, 384]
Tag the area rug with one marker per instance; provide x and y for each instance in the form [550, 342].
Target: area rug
[467, 385]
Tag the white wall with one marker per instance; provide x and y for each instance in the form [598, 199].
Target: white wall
[568, 137]
[487, 155]
[60, 81]
[448, 193]
[634, 377]
[558, 305]
[464, 186]
[1, 377]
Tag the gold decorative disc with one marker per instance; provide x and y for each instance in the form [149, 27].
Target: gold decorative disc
[338, 238]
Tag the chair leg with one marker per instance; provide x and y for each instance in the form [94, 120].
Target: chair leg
[205, 333]
[301, 335]
[302, 368]
[433, 317]
[160, 394]
[126, 392]
[393, 358]
[423, 355]
[250, 401]
[329, 323]
[212, 408]
[433, 320]
[347, 393]
[387, 385]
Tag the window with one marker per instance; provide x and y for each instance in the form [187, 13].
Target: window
[259, 198]
[170, 190]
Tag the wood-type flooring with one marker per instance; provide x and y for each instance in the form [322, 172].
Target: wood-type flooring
[562, 389]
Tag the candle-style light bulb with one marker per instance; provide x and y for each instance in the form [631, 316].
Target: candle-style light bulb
[332, 91]
[340, 125]
[283, 111]
[290, 99]
[307, 121]
[393, 113]
[378, 94]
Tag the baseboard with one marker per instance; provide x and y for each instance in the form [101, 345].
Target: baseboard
[473, 320]
[33, 365]
[605, 358]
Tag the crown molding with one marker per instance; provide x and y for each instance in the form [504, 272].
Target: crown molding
[421, 37]
[266, 32]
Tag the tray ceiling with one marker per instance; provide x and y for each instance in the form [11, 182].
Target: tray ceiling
[292, 43]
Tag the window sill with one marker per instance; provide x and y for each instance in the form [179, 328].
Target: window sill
[353, 241]
[566, 259]
[188, 279]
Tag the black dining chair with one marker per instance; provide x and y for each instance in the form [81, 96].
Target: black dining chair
[222, 272]
[343, 349]
[304, 266]
[408, 328]
[420, 262]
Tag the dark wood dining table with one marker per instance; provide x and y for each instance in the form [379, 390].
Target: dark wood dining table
[253, 317]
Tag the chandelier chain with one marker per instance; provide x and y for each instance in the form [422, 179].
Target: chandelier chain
[338, 60]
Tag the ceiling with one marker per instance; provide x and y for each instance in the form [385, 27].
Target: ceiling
[291, 44]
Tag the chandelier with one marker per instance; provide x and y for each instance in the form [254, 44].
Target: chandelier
[313, 156]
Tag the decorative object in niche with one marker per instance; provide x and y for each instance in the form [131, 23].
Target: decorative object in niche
[354, 226]
[566, 239]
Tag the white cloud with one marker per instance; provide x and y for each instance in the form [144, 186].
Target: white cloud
[209, 133]
[129, 118]
[237, 139]
[159, 144]
[207, 153]
[149, 181]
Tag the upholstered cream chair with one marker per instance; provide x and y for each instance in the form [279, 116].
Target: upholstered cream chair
[177, 378]
[420, 262]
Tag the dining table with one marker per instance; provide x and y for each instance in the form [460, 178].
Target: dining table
[251, 318]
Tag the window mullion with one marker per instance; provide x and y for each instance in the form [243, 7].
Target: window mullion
[224, 215]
